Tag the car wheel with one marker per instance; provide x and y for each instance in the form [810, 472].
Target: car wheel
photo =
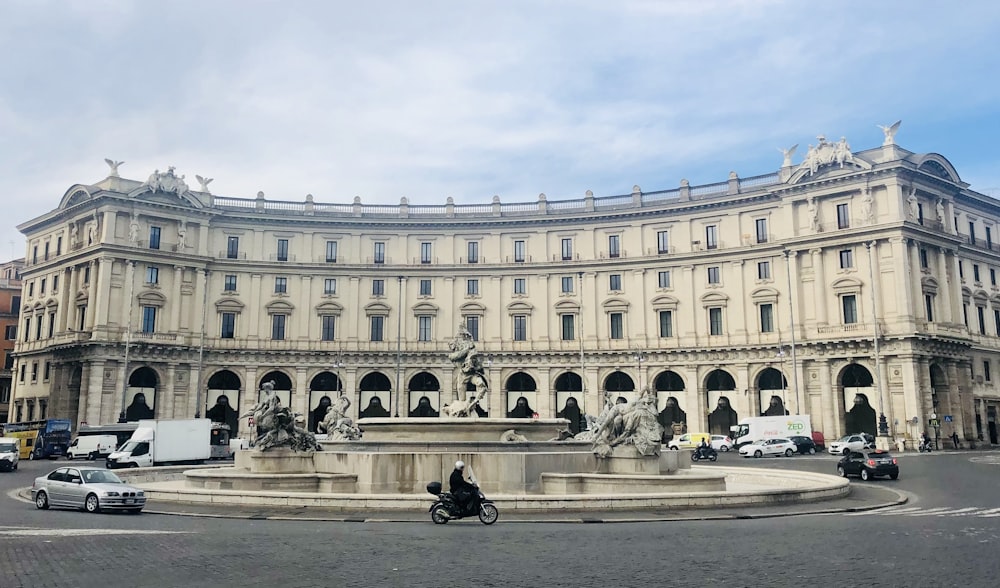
[133, 465]
[841, 471]
[675, 448]
[31, 456]
[894, 476]
[69, 457]
[725, 448]
[758, 453]
[812, 450]
[41, 500]
[91, 504]
[865, 475]
[92, 456]
[845, 451]
[788, 452]
[14, 468]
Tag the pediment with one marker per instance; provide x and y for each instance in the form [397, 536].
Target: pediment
[377, 309]
[565, 306]
[472, 308]
[981, 295]
[425, 309]
[764, 295]
[144, 194]
[329, 308]
[151, 298]
[75, 195]
[714, 299]
[519, 307]
[664, 303]
[229, 305]
[615, 304]
[279, 307]
[846, 283]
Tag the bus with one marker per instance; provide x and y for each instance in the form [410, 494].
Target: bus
[48, 438]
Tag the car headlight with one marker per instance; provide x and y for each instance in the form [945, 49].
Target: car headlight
[111, 493]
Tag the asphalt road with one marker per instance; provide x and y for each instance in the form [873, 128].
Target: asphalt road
[946, 535]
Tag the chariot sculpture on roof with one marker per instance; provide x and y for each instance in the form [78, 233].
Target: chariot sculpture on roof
[826, 153]
[167, 181]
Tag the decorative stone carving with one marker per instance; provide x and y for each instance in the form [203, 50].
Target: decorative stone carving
[939, 207]
[914, 206]
[813, 214]
[181, 237]
[74, 234]
[337, 425]
[133, 229]
[867, 206]
[167, 182]
[114, 166]
[204, 183]
[787, 154]
[890, 132]
[464, 355]
[633, 424]
[825, 153]
[276, 424]
[512, 436]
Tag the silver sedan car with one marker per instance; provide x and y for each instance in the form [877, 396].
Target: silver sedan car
[91, 489]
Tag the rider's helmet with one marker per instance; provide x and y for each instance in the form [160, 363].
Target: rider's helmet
[459, 465]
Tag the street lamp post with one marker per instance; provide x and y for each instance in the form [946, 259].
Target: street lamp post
[784, 380]
[399, 341]
[128, 337]
[791, 317]
[639, 357]
[883, 423]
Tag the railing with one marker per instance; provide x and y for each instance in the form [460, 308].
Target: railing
[760, 181]
[709, 190]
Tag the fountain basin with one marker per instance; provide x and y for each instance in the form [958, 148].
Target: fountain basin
[435, 430]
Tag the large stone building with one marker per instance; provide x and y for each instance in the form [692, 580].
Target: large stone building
[749, 296]
[10, 305]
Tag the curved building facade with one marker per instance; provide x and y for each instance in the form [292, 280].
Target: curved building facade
[751, 296]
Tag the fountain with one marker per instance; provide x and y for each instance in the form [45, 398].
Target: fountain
[523, 464]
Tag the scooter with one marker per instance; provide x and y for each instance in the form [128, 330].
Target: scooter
[926, 446]
[446, 508]
[701, 453]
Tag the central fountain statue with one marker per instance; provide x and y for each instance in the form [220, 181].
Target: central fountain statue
[463, 353]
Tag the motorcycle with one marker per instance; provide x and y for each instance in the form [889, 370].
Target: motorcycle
[446, 507]
[701, 453]
[926, 446]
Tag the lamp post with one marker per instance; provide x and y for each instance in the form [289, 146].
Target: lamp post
[583, 388]
[399, 341]
[883, 423]
[128, 337]
[791, 317]
[639, 357]
[784, 380]
[201, 348]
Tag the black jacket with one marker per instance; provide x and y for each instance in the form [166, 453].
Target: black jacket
[458, 482]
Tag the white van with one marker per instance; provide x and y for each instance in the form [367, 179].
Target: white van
[92, 446]
[10, 452]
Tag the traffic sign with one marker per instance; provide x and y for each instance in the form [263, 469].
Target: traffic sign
[934, 423]
[947, 418]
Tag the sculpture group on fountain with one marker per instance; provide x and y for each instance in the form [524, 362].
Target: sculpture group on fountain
[276, 424]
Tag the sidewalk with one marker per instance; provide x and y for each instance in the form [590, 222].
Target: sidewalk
[863, 497]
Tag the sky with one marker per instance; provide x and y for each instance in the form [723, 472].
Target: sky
[431, 99]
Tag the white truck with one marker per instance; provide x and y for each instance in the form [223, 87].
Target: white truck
[768, 427]
[159, 442]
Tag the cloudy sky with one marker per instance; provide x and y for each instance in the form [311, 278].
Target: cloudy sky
[383, 99]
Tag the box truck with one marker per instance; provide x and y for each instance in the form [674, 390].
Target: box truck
[161, 442]
[768, 427]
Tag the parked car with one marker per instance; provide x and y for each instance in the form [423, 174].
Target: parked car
[92, 446]
[689, 440]
[776, 447]
[91, 489]
[722, 443]
[849, 443]
[803, 444]
[868, 464]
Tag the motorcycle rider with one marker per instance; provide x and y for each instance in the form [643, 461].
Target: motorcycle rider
[462, 490]
[703, 448]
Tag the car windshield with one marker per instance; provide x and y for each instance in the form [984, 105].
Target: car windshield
[128, 447]
[100, 477]
[7, 448]
[844, 439]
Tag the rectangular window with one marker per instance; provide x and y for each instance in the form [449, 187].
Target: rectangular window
[614, 246]
[425, 252]
[975, 272]
[379, 252]
[965, 315]
[520, 286]
[22, 380]
[662, 242]
[920, 213]
[568, 327]
[27, 327]
[331, 252]
[152, 274]
[986, 371]
[473, 251]
[972, 233]
[328, 325]
[34, 254]
[59, 242]
[278, 326]
[989, 239]
[378, 287]
[766, 318]
[615, 282]
[46, 251]
[81, 313]
[47, 371]
[617, 325]
[663, 279]
[229, 283]
[961, 270]
[846, 259]
[996, 321]
[472, 287]
[377, 328]
[843, 217]
[472, 324]
[31, 288]
[423, 328]
[666, 323]
[282, 253]
[329, 286]
[55, 284]
[519, 251]
[711, 237]
[993, 277]
[228, 327]
[10, 332]
[929, 306]
[15, 304]
[86, 274]
[52, 324]
[923, 259]
[281, 285]
[981, 315]
[850, 305]
[567, 284]
[38, 328]
[715, 321]
[232, 247]
[154, 237]
[148, 319]
[425, 287]
[761, 226]
[763, 270]
[713, 274]
[34, 378]
[41, 287]
[520, 327]
[567, 249]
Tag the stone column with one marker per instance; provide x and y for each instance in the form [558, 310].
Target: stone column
[820, 286]
[831, 404]
[95, 390]
[248, 400]
[66, 298]
[300, 397]
[945, 309]
[593, 396]
[83, 402]
[91, 297]
[916, 288]
[748, 310]
[497, 400]
[876, 271]
[175, 303]
[545, 397]
[638, 318]
[957, 300]
[953, 401]
[255, 311]
[795, 295]
[170, 404]
[905, 308]
[104, 283]
[351, 388]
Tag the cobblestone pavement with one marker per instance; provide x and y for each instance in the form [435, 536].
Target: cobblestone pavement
[937, 542]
